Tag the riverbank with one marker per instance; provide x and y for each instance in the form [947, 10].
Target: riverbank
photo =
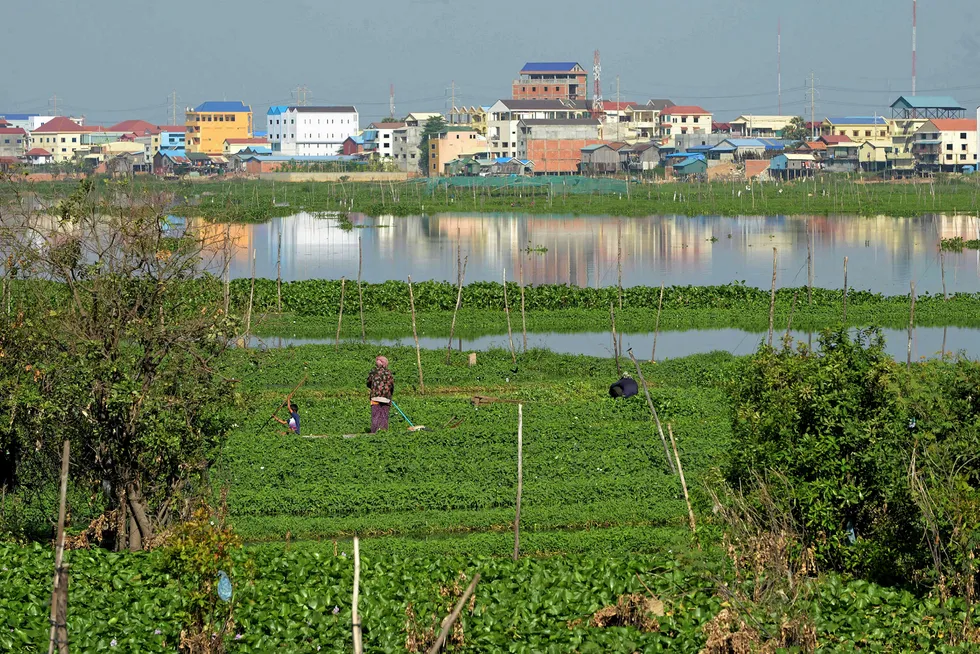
[247, 200]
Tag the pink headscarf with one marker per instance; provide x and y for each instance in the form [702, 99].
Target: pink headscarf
[382, 361]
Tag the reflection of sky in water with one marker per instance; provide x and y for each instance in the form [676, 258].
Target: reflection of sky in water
[926, 342]
[884, 254]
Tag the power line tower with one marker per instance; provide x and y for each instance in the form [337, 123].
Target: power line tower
[302, 94]
[173, 107]
[54, 100]
[779, 65]
[914, 17]
[597, 86]
[812, 93]
[391, 102]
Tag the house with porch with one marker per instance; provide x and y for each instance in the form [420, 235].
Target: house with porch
[946, 144]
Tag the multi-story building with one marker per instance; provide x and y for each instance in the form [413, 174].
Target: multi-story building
[61, 137]
[858, 128]
[946, 144]
[451, 144]
[684, 119]
[550, 80]
[475, 117]
[505, 115]
[385, 138]
[169, 137]
[13, 141]
[750, 125]
[645, 119]
[233, 146]
[910, 113]
[406, 140]
[555, 145]
[210, 123]
[305, 131]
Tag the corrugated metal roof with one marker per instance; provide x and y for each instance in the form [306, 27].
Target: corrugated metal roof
[792, 156]
[857, 120]
[564, 121]
[19, 116]
[228, 106]
[277, 110]
[342, 109]
[927, 102]
[549, 66]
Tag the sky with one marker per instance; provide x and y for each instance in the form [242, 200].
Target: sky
[112, 60]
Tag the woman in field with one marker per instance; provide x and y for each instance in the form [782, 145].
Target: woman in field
[382, 385]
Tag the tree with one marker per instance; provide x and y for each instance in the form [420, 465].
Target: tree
[390, 119]
[110, 342]
[432, 128]
[796, 130]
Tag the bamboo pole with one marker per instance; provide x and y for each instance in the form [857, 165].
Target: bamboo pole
[59, 589]
[450, 620]
[809, 265]
[226, 273]
[459, 301]
[340, 314]
[772, 297]
[523, 314]
[415, 334]
[251, 299]
[653, 410]
[360, 292]
[680, 472]
[510, 334]
[520, 480]
[615, 340]
[656, 329]
[845, 291]
[459, 252]
[792, 310]
[279, 273]
[942, 269]
[619, 263]
[355, 618]
[908, 358]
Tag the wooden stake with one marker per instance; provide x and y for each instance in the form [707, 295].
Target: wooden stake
[908, 359]
[680, 472]
[619, 262]
[59, 590]
[415, 334]
[279, 273]
[792, 310]
[450, 620]
[360, 292]
[809, 265]
[459, 252]
[340, 314]
[510, 334]
[615, 340]
[656, 329]
[523, 314]
[251, 298]
[845, 291]
[459, 301]
[520, 480]
[227, 271]
[772, 297]
[942, 269]
[355, 618]
[653, 410]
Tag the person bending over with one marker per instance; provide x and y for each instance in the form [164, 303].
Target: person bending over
[382, 385]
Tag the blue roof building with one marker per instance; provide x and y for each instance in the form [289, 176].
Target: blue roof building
[550, 67]
[927, 106]
[223, 106]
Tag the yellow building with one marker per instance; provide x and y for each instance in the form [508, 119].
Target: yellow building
[62, 137]
[475, 117]
[211, 123]
[858, 128]
[450, 144]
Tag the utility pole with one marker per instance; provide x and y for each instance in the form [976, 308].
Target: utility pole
[173, 104]
[54, 100]
[779, 65]
[812, 92]
[617, 107]
[453, 101]
[913, 44]
[301, 93]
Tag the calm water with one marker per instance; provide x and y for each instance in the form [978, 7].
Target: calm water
[884, 254]
[927, 342]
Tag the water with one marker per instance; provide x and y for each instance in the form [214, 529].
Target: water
[927, 342]
[884, 253]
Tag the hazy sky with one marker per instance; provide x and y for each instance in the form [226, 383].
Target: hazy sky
[116, 59]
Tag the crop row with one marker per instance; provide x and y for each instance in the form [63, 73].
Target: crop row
[299, 600]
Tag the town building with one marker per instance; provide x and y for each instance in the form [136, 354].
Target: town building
[550, 80]
[505, 116]
[645, 119]
[385, 138]
[555, 145]
[13, 141]
[750, 125]
[30, 122]
[170, 161]
[606, 158]
[168, 136]
[452, 143]
[234, 145]
[475, 117]
[311, 131]
[38, 157]
[616, 117]
[210, 123]
[405, 146]
[858, 128]
[790, 165]
[946, 144]
[910, 113]
[61, 137]
[684, 119]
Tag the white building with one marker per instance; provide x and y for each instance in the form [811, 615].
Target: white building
[310, 131]
[947, 143]
[385, 138]
[684, 119]
[504, 116]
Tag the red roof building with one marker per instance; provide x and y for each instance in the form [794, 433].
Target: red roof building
[60, 125]
[138, 127]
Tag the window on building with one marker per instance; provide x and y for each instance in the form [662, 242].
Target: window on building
[855, 133]
[962, 157]
[949, 157]
[62, 139]
[867, 132]
[64, 150]
[949, 146]
[963, 147]
[74, 139]
[963, 135]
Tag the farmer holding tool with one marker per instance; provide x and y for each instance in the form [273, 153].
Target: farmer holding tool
[293, 422]
[382, 385]
[625, 387]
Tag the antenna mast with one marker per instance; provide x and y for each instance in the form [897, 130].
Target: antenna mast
[779, 65]
[597, 93]
[913, 44]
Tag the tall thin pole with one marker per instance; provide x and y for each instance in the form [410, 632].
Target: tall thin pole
[355, 617]
[227, 270]
[772, 297]
[459, 300]
[340, 313]
[809, 265]
[914, 20]
[680, 472]
[619, 262]
[520, 480]
[656, 328]
[360, 292]
[653, 410]
[279, 272]
[251, 298]
[523, 314]
[908, 359]
[415, 335]
[59, 592]
[845, 290]
[779, 65]
[510, 334]
[615, 340]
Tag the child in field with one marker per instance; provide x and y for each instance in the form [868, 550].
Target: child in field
[293, 422]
